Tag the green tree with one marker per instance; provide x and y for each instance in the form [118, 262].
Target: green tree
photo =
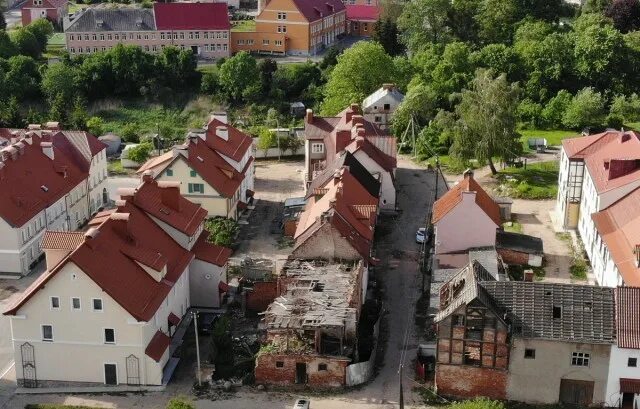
[595, 6]
[79, 116]
[530, 113]
[95, 126]
[386, 33]
[586, 109]
[22, 78]
[41, 29]
[60, 79]
[496, 20]
[266, 67]
[419, 104]
[487, 120]
[10, 115]
[180, 403]
[237, 74]
[58, 110]
[26, 43]
[423, 22]
[7, 47]
[3, 22]
[463, 19]
[553, 112]
[141, 152]
[627, 107]
[266, 139]
[130, 132]
[349, 82]
[222, 231]
[501, 59]
[210, 83]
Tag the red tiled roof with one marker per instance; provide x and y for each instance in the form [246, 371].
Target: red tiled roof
[61, 240]
[164, 201]
[214, 169]
[361, 12]
[619, 227]
[154, 163]
[158, 344]
[387, 162]
[210, 252]
[54, 4]
[173, 319]
[313, 10]
[453, 197]
[32, 182]
[235, 147]
[627, 317]
[191, 16]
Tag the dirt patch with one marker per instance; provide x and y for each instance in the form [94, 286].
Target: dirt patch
[6, 292]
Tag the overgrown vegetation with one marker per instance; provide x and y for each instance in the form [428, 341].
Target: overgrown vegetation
[222, 231]
[180, 403]
[536, 181]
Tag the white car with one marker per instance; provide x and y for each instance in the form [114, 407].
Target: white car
[302, 404]
[421, 235]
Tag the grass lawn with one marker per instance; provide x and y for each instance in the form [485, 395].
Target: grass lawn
[55, 46]
[208, 68]
[144, 120]
[243, 25]
[537, 181]
[449, 164]
[513, 227]
[553, 137]
[73, 7]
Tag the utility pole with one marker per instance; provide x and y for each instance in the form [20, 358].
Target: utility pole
[195, 328]
[401, 400]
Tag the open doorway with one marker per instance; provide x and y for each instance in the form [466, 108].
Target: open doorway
[301, 373]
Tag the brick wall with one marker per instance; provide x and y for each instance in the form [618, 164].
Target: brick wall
[263, 294]
[267, 372]
[514, 257]
[469, 382]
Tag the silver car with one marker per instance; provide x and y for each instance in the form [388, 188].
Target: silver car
[302, 404]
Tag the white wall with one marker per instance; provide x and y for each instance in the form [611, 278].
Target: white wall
[387, 188]
[203, 280]
[618, 368]
[464, 227]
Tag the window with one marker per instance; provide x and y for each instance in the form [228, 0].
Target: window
[458, 320]
[278, 43]
[580, 359]
[282, 29]
[322, 367]
[196, 188]
[47, 333]
[182, 36]
[191, 35]
[529, 353]
[387, 107]
[377, 119]
[55, 303]
[75, 303]
[206, 35]
[632, 362]
[71, 37]
[317, 148]
[279, 364]
[101, 37]
[197, 35]
[557, 312]
[282, 16]
[193, 173]
[97, 304]
[265, 42]
[109, 336]
[94, 37]
[240, 42]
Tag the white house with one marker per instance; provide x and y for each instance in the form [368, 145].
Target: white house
[215, 167]
[623, 381]
[380, 106]
[113, 296]
[595, 172]
[49, 179]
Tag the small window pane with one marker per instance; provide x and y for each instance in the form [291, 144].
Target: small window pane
[109, 336]
[632, 362]
[75, 302]
[55, 302]
[97, 304]
[47, 333]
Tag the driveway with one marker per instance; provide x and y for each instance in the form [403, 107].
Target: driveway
[13, 15]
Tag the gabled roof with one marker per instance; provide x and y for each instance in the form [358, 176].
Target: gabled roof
[53, 4]
[100, 19]
[191, 16]
[519, 242]
[157, 164]
[30, 181]
[209, 252]
[356, 169]
[386, 90]
[313, 10]
[361, 12]
[61, 240]
[385, 161]
[237, 144]
[627, 317]
[619, 227]
[453, 197]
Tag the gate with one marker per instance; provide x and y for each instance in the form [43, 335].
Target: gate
[28, 354]
[133, 370]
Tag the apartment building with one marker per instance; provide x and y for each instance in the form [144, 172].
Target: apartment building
[53, 10]
[597, 171]
[293, 27]
[214, 167]
[112, 297]
[200, 27]
[49, 179]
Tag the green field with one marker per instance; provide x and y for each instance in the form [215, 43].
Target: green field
[243, 25]
[55, 46]
[537, 181]
[553, 137]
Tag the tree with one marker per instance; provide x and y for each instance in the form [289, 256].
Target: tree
[60, 79]
[237, 74]
[141, 152]
[3, 22]
[496, 20]
[22, 78]
[351, 82]
[179, 403]
[266, 67]
[386, 33]
[26, 43]
[586, 109]
[10, 115]
[419, 104]
[294, 79]
[266, 139]
[7, 47]
[95, 125]
[627, 107]
[79, 116]
[222, 231]
[553, 112]
[130, 133]
[210, 83]
[330, 57]
[595, 6]
[58, 110]
[625, 14]
[41, 29]
[423, 22]
[452, 71]
[463, 19]
[487, 120]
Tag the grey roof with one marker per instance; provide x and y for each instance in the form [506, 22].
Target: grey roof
[295, 201]
[381, 92]
[519, 242]
[490, 260]
[113, 19]
[357, 169]
[569, 312]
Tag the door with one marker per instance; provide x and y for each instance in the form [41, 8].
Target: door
[575, 392]
[627, 400]
[301, 372]
[110, 374]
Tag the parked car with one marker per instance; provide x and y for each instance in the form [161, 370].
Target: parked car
[421, 235]
[206, 321]
[302, 404]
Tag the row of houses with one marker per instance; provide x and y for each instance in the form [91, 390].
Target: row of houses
[285, 27]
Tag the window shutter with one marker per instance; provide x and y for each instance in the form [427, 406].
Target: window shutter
[190, 188]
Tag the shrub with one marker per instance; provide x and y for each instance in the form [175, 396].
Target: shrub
[530, 113]
[140, 153]
[478, 403]
[130, 133]
[222, 231]
[554, 110]
[179, 403]
[614, 121]
[95, 125]
[586, 109]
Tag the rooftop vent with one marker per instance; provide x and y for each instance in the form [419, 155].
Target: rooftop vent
[200, 159]
[44, 188]
[99, 22]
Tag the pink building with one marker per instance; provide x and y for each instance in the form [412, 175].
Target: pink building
[201, 27]
[53, 10]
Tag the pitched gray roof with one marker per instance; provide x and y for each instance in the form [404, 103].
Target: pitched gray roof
[519, 242]
[113, 19]
[569, 312]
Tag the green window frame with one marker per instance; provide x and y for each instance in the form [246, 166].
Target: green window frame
[169, 172]
[193, 173]
[196, 188]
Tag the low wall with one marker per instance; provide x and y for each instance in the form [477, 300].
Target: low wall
[273, 153]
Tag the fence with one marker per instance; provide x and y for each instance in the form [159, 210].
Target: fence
[363, 371]
[275, 152]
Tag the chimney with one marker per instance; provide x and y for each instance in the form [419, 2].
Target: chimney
[308, 117]
[147, 176]
[222, 132]
[20, 147]
[170, 194]
[624, 136]
[126, 193]
[337, 174]
[52, 126]
[468, 174]
[221, 116]
[89, 235]
[121, 225]
[528, 276]
[5, 154]
[120, 203]
[34, 127]
[388, 86]
[47, 149]
[28, 138]
[360, 132]
[13, 152]
[357, 120]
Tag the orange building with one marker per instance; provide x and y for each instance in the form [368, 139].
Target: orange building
[361, 19]
[293, 27]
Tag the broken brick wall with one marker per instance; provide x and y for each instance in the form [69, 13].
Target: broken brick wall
[280, 369]
[514, 257]
[461, 381]
[263, 294]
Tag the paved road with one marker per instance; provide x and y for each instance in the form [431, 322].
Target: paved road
[12, 15]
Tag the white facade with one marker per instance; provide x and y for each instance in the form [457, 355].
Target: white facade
[387, 187]
[380, 106]
[624, 363]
